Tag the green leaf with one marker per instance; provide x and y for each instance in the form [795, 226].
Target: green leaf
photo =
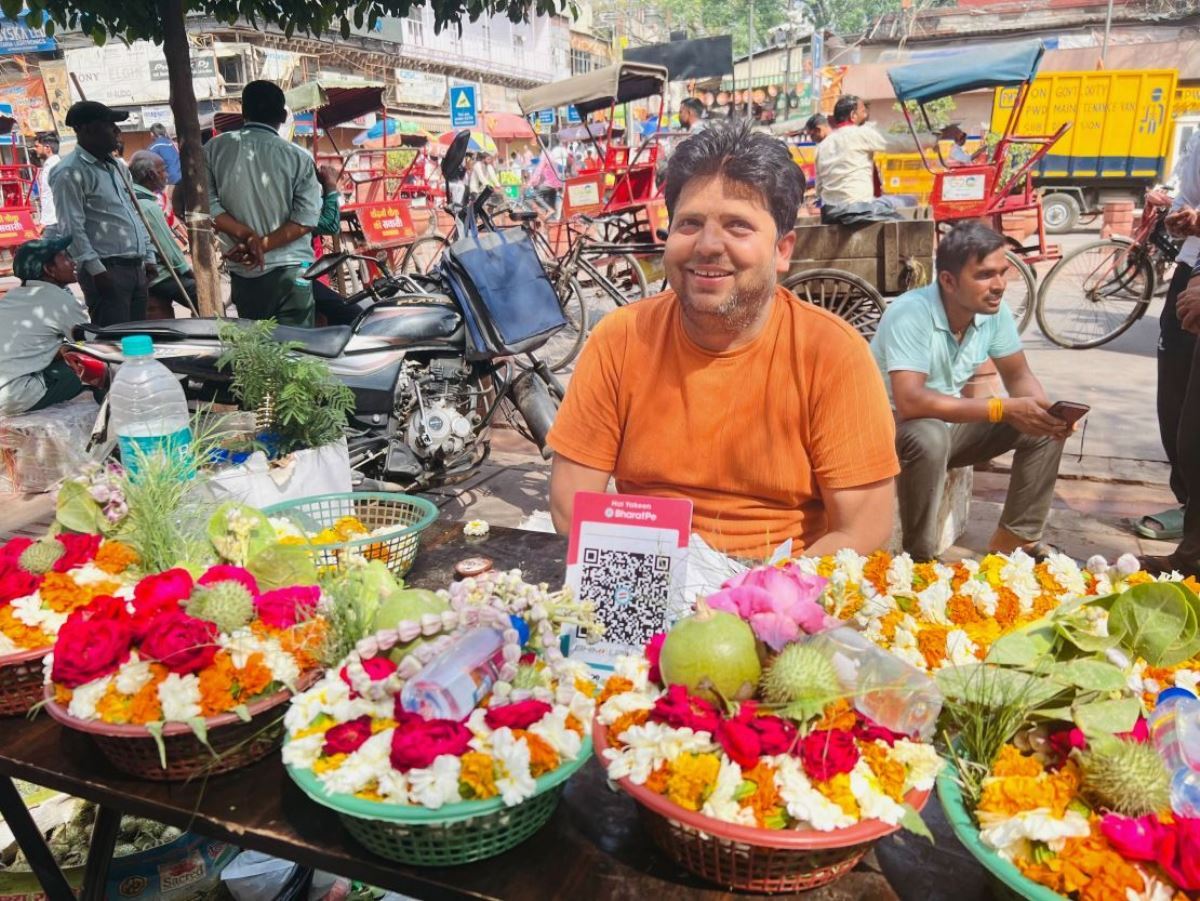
[243, 713]
[1094, 675]
[1158, 621]
[345, 28]
[11, 8]
[99, 36]
[1107, 717]
[156, 732]
[1084, 640]
[913, 823]
[75, 510]
[994, 686]
[1023, 648]
[283, 565]
[201, 732]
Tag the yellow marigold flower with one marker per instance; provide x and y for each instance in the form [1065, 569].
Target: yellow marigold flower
[477, 776]
[765, 800]
[890, 773]
[826, 567]
[115, 557]
[293, 539]
[1141, 577]
[114, 707]
[692, 779]
[924, 575]
[838, 791]
[983, 633]
[931, 642]
[348, 527]
[990, 567]
[325, 764]
[370, 793]
[1010, 795]
[853, 603]
[382, 725]
[616, 685]
[585, 687]
[1012, 762]
[889, 622]
[875, 570]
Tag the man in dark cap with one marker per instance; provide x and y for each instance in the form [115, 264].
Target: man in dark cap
[263, 193]
[94, 203]
[35, 320]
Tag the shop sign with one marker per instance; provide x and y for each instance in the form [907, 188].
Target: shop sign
[385, 223]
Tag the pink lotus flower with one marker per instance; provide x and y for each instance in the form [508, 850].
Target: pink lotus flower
[779, 603]
[1174, 846]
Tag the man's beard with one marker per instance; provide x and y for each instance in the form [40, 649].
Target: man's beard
[741, 309]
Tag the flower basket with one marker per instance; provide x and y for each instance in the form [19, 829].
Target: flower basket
[234, 743]
[395, 520]
[1007, 881]
[21, 681]
[749, 859]
[453, 834]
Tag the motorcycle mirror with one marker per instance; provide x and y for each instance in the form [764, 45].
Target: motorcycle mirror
[325, 265]
[452, 162]
[662, 234]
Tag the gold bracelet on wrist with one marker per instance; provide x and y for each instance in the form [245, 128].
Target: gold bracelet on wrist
[995, 409]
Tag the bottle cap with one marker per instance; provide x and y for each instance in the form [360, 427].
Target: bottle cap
[137, 346]
[522, 628]
[1174, 692]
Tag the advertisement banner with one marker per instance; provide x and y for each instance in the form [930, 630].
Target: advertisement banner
[121, 75]
[385, 223]
[17, 227]
[420, 88]
[30, 107]
[57, 85]
[17, 37]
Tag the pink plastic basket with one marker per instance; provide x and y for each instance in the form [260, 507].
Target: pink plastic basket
[21, 681]
[747, 858]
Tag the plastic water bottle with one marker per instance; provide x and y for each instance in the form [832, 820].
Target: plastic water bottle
[149, 411]
[451, 684]
[1175, 731]
[893, 693]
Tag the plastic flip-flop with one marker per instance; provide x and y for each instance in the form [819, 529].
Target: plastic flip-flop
[1166, 525]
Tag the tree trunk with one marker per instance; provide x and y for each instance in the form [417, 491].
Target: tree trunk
[191, 155]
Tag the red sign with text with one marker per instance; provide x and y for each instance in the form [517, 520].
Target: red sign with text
[17, 227]
[385, 223]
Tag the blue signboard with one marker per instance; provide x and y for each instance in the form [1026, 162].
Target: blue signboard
[546, 116]
[573, 117]
[17, 37]
[463, 110]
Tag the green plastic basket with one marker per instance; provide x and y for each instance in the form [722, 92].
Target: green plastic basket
[453, 834]
[401, 517]
[1007, 880]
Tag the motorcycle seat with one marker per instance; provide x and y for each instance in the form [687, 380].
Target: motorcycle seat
[320, 342]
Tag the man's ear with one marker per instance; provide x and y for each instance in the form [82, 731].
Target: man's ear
[783, 252]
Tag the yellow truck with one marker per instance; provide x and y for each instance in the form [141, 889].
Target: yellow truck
[1117, 147]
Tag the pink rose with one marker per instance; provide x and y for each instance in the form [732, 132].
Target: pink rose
[77, 550]
[157, 594]
[740, 741]
[225, 573]
[346, 738]
[776, 734]
[827, 753]
[88, 649]
[653, 653]
[520, 715]
[418, 743]
[680, 710]
[377, 669]
[284, 607]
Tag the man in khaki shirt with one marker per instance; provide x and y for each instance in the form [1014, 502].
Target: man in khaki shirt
[846, 166]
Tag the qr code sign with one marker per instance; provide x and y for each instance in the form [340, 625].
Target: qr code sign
[630, 591]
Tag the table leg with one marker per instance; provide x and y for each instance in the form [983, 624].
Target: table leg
[29, 838]
[100, 852]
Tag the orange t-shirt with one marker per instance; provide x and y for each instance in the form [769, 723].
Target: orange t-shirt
[751, 436]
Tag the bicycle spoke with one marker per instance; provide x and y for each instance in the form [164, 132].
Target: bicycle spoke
[1093, 294]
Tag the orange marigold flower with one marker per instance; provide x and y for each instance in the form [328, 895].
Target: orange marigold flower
[890, 773]
[765, 800]
[542, 757]
[854, 602]
[1087, 868]
[114, 707]
[931, 642]
[838, 715]
[62, 695]
[114, 557]
[692, 779]
[1050, 585]
[875, 570]
[1012, 762]
[616, 685]
[657, 782]
[625, 721]
[253, 678]
[145, 706]
[1008, 607]
[217, 684]
[1010, 795]
[1193, 583]
[27, 638]
[477, 776]
[961, 610]
[61, 593]
[924, 575]
[838, 791]
[303, 640]
[574, 724]
[961, 576]
[889, 622]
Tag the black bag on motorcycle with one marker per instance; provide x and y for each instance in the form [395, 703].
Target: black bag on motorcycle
[507, 300]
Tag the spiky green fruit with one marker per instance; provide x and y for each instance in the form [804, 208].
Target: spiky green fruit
[40, 557]
[227, 604]
[1127, 777]
[802, 678]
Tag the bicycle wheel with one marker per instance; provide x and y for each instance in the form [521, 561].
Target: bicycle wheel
[1021, 292]
[1094, 294]
[423, 255]
[623, 274]
[841, 293]
[564, 345]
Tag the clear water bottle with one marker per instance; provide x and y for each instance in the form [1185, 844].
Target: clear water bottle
[1175, 731]
[149, 411]
[893, 693]
[451, 684]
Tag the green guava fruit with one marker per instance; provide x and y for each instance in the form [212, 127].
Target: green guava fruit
[711, 652]
[408, 603]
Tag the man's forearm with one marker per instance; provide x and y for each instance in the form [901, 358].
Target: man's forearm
[284, 235]
[929, 404]
[227, 225]
[1027, 386]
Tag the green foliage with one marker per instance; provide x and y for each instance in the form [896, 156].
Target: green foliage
[713, 17]
[309, 405]
[940, 112]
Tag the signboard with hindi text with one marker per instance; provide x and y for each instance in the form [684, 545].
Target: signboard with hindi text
[385, 223]
[17, 227]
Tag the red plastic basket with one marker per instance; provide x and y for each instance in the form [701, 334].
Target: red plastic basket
[21, 681]
[746, 858]
[234, 742]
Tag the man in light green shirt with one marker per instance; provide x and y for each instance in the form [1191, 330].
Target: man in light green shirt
[263, 193]
[149, 174]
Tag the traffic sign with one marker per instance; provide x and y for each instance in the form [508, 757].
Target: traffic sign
[464, 113]
[546, 116]
[573, 117]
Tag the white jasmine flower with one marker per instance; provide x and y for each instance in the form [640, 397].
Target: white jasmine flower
[1134, 679]
[29, 610]
[922, 761]
[1187, 678]
[932, 601]
[900, 575]
[303, 752]
[1066, 573]
[721, 804]
[476, 723]
[514, 781]
[649, 746]
[393, 785]
[982, 594]
[851, 563]
[626, 702]
[877, 606]
[1017, 574]
[960, 650]
[90, 574]
[1096, 565]
[804, 802]
[553, 730]
[364, 766]
[285, 528]
[873, 802]
[1153, 889]
[7, 645]
[583, 709]
[635, 669]
[180, 697]
[1011, 835]
[85, 698]
[132, 675]
[1127, 565]
[437, 784]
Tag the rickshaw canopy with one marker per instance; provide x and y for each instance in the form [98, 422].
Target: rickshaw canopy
[620, 83]
[1006, 66]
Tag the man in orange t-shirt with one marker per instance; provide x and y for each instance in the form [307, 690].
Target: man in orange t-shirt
[768, 413]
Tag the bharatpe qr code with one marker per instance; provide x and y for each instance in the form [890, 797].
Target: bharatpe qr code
[631, 591]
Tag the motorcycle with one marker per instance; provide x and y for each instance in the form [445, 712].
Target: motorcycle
[423, 412]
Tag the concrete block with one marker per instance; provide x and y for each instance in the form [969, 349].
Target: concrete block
[952, 513]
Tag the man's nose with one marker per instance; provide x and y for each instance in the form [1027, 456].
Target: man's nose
[710, 241]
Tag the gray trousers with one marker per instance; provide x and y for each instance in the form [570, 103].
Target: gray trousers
[928, 447]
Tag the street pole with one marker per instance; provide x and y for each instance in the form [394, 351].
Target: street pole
[1107, 29]
[750, 68]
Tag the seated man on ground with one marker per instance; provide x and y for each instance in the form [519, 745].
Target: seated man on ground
[149, 174]
[766, 412]
[36, 319]
[929, 344]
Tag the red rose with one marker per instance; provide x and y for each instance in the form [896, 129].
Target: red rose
[826, 754]
[680, 710]
[16, 583]
[104, 607]
[225, 573]
[158, 591]
[741, 742]
[378, 668]
[284, 607]
[866, 729]
[12, 550]
[417, 745]
[520, 715]
[181, 643]
[1064, 741]
[653, 653]
[776, 734]
[88, 649]
[79, 549]
[346, 738]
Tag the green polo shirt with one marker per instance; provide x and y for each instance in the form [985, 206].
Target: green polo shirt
[914, 336]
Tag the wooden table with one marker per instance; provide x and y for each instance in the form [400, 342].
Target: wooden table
[593, 848]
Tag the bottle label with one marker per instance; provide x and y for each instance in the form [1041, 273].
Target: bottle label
[134, 448]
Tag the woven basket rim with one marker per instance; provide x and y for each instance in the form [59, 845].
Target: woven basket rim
[783, 839]
[951, 799]
[409, 814]
[19, 657]
[428, 515]
[129, 730]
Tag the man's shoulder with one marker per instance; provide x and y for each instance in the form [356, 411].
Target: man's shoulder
[642, 318]
[916, 305]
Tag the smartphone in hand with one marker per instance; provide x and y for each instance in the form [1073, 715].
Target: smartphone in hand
[1068, 411]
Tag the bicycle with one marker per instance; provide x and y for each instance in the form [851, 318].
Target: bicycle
[1098, 291]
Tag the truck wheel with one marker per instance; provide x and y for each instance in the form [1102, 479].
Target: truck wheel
[1060, 212]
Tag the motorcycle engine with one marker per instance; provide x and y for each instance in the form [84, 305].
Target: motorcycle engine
[441, 414]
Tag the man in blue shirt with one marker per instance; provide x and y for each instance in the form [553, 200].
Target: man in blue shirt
[929, 344]
[165, 148]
